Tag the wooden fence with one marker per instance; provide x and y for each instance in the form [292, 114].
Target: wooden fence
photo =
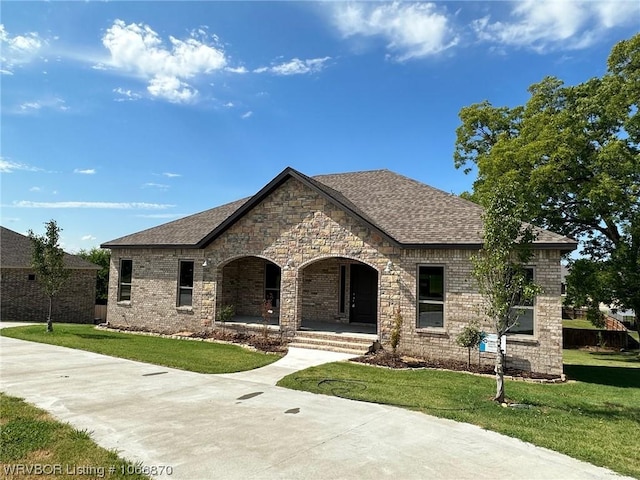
[100, 313]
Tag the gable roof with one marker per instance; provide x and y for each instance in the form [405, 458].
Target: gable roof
[404, 211]
[16, 251]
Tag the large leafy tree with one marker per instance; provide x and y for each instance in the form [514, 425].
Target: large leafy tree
[499, 267]
[102, 258]
[575, 152]
[48, 262]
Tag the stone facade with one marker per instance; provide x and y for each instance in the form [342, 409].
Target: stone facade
[311, 239]
[24, 300]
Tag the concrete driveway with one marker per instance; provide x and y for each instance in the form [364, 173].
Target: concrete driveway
[230, 427]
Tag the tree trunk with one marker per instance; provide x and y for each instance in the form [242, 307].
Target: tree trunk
[499, 373]
[469, 359]
[49, 321]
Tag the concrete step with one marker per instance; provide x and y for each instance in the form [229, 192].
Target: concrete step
[332, 343]
[329, 348]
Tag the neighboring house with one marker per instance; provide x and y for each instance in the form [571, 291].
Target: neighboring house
[346, 248]
[21, 295]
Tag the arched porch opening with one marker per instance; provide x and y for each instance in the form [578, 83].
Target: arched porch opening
[339, 294]
[252, 286]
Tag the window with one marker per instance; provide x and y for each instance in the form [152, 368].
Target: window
[430, 296]
[31, 277]
[524, 325]
[185, 284]
[124, 285]
[272, 284]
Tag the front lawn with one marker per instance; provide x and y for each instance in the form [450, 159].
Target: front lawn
[34, 445]
[195, 356]
[595, 419]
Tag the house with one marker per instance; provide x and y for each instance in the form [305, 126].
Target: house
[342, 250]
[21, 295]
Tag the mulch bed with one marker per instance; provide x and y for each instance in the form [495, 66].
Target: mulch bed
[391, 360]
[269, 344]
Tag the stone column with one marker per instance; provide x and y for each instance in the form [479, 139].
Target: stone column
[289, 301]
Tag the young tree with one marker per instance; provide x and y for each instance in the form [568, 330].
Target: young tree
[470, 337]
[499, 268]
[48, 262]
[102, 258]
[575, 152]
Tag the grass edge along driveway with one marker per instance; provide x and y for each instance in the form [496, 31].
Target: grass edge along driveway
[194, 356]
[594, 419]
[35, 445]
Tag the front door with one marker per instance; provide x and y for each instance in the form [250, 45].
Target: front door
[364, 294]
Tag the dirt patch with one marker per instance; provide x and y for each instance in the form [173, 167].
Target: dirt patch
[391, 360]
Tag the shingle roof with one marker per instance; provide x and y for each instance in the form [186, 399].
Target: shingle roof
[16, 250]
[403, 210]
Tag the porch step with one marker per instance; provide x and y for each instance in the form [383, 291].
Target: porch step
[332, 342]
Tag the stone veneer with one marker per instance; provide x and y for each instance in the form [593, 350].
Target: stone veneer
[24, 300]
[309, 237]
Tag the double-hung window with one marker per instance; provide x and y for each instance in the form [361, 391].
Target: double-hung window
[185, 284]
[430, 296]
[124, 280]
[524, 325]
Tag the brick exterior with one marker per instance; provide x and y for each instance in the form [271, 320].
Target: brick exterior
[24, 300]
[309, 238]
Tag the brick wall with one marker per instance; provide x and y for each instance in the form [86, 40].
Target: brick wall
[308, 238]
[24, 300]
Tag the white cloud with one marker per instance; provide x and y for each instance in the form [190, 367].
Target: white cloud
[87, 237]
[543, 25]
[160, 186]
[295, 66]
[137, 48]
[99, 205]
[172, 89]
[236, 70]
[17, 50]
[247, 115]
[228, 105]
[88, 171]
[126, 95]
[412, 30]
[7, 166]
[54, 103]
[171, 175]
[35, 189]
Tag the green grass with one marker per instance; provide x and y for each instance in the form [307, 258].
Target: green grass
[30, 437]
[201, 357]
[595, 419]
[585, 324]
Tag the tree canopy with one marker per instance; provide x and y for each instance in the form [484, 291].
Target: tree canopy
[499, 267]
[574, 153]
[102, 258]
[48, 261]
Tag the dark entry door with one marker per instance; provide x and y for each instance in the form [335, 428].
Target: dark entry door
[364, 294]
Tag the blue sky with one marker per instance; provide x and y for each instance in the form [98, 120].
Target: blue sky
[119, 116]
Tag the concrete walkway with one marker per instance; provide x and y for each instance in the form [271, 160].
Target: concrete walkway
[235, 427]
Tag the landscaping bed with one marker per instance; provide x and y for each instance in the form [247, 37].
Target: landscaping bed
[268, 344]
[390, 360]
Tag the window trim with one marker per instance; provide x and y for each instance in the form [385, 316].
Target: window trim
[531, 307]
[181, 287]
[431, 302]
[126, 284]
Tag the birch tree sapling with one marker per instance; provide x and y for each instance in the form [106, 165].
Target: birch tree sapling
[47, 260]
[499, 268]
